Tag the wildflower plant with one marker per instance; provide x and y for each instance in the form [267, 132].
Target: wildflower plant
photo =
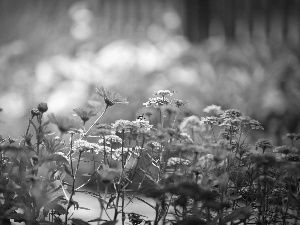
[199, 171]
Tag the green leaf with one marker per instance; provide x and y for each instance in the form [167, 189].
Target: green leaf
[79, 222]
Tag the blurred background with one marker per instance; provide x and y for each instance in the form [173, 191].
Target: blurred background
[240, 54]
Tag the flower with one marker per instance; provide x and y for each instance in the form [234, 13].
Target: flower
[178, 103]
[85, 146]
[142, 124]
[210, 120]
[123, 125]
[110, 97]
[215, 109]
[104, 129]
[231, 114]
[264, 144]
[84, 113]
[157, 102]
[107, 175]
[164, 93]
[112, 138]
[63, 123]
[35, 112]
[43, 107]
[292, 136]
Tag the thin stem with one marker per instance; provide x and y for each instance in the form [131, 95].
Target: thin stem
[73, 188]
[96, 120]
[104, 197]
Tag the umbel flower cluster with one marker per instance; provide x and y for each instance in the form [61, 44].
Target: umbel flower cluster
[197, 169]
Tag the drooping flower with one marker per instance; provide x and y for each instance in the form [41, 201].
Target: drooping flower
[85, 113]
[107, 175]
[63, 123]
[210, 120]
[110, 97]
[230, 114]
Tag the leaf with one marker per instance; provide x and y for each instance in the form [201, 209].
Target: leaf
[79, 222]
[238, 214]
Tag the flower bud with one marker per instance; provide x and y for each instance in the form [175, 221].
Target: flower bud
[43, 107]
[35, 112]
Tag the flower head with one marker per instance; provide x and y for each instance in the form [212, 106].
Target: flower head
[178, 103]
[164, 93]
[264, 144]
[43, 107]
[157, 102]
[63, 123]
[110, 97]
[85, 146]
[124, 125]
[85, 113]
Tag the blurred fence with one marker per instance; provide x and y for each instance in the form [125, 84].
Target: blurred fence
[199, 19]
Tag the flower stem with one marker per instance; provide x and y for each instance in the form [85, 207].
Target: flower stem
[96, 120]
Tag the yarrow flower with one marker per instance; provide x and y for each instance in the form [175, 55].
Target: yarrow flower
[210, 120]
[264, 144]
[63, 123]
[157, 102]
[142, 124]
[110, 139]
[110, 97]
[85, 146]
[164, 93]
[85, 113]
[178, 103]
[230, 114]
[123, 125]
[215, 109]
[104, 129]
[178, 161]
